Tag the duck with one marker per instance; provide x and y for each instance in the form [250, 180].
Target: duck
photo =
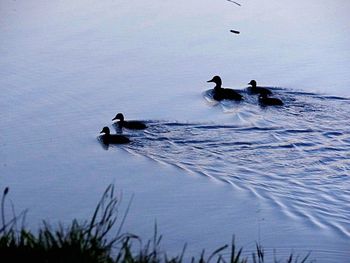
[221, 93]
[254, 89]
[133, 125]
[266, 101]
[109, 138]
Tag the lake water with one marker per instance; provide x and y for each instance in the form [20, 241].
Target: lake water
[204, 171]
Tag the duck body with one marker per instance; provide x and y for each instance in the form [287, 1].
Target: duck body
[266, 101]
[254, 89]
[108, 138]
[226, 94]
[132, 125]
[221, 93]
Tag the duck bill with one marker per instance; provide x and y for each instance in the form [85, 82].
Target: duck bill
[212, 80]
[102, 132]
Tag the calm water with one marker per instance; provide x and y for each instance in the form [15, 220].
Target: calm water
[203, 170]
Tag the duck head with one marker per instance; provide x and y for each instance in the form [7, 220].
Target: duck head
[105, 130]
[216, 80]
[253, 83]
[119, 116]
[262, 96]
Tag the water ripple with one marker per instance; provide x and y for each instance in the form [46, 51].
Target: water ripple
[297, 156]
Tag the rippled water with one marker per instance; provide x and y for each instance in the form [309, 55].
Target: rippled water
[296, 156]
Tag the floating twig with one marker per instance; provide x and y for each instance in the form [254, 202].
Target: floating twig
[234, 2]
[234, 31]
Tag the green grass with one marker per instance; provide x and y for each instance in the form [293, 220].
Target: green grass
[92, 241]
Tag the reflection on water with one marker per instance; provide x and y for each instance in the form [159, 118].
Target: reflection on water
[296, 156]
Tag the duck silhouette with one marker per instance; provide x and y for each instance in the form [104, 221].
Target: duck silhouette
[133, 125]
[254, 89]
[221, 93]
[266, 101]
[108, 138]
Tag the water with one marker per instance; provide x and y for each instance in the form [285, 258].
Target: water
[203, 170]
[295, 156]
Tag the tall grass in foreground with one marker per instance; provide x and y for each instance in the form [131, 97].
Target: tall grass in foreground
[91, 241]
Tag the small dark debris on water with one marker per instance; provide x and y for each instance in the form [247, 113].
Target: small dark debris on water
[234, 31]
[234, 2]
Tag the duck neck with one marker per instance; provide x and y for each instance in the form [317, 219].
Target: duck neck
[218, 86]
[120, 123]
